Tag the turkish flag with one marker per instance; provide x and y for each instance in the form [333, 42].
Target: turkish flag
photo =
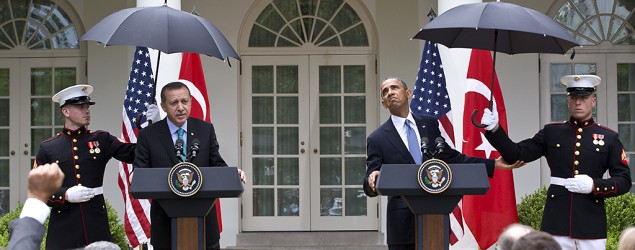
[192, 71]
[486, 215]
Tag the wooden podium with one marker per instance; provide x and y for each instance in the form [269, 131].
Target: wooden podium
[432, 210]
[188, 225]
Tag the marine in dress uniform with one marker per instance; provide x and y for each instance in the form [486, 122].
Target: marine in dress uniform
[579, 151]
[79, 215]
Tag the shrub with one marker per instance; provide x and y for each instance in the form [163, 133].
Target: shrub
[117, 231]
[620, 213]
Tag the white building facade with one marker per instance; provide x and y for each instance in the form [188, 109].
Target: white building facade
[295, 112]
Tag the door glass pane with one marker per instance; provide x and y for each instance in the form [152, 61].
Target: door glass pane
[41, 114]
[559, 110]
[4, 201]
[355, 170]
[557, 71]
[626, 107]
[330, 201]
[262, 79]
[355, 202]
[64, 77]
[4, 111]
[287, 110]
[626, 104]
[4, 142]
[288, 141]
[41, 79]
[263, 201]
[288, 202]
[38, 135]
[287, 79]
[262, 107]
[262, 141]
[354, 109]
[355, 79]
[330, 108]
[4, 82]
[263, 171]
[330, 140]
[288, 171]
[355, 140]
[330, 171]
[625, 77]
[627, 135]
[330, 79]
[4, 173]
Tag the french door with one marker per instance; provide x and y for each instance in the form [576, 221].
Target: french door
[305, 120]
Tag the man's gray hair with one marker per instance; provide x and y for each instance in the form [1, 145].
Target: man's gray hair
[103, 245]
[510, 234]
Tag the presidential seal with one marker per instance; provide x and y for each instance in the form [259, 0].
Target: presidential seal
[185, 179]
[434, 176]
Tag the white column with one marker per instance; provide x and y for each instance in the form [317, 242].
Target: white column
[455, 63]
[170, 64]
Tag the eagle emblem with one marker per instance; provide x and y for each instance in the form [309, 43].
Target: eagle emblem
[185, 179]
[434, 176]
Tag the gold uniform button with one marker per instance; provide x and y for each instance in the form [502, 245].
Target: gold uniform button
[76, 157]
[597, 189]
[576, 163]
[79, 184]
[78, 176]
[74, 140]
[60, 197]
[576, 172]
[53, 197]
[597, 201]
[579, 137]
[577, 152]
[58, 211]
[552, 196]
[580, 130]
[577, 144]
[612, 188]
[75, 148]
[606, 189]
[597, 149]
[76, 166]
[558, 145]
[57, 161]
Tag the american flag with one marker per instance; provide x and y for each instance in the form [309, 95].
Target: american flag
[431, 98]
[138, 97]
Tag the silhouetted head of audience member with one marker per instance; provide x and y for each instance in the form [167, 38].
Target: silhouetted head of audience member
[627, 239]
[102, 245]
[536, 241]
[512, 233]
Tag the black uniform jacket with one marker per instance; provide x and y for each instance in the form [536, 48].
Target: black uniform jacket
[155, 149]
[384, 146]
[82, 155]
[570, 150]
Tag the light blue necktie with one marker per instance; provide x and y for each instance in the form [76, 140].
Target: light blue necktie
[179, 133]
[413, 143]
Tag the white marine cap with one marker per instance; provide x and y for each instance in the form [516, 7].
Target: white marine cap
[580, 85]
[77, 94]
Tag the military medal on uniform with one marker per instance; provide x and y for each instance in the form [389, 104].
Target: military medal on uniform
[97, 150]
[595, 139]
[91, 146]
[601, 139]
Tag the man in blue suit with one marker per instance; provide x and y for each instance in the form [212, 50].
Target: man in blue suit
[388, 144]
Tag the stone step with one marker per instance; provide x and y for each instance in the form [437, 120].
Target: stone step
[310, 240]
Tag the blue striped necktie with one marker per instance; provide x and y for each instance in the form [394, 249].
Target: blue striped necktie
[179, 132]
[413, 143]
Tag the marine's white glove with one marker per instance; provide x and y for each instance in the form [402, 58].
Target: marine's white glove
[581, 183]
[490, 119]
[77, 194]
[153, 114]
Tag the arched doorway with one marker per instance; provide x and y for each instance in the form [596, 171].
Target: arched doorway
[308, 89]
[39, 55]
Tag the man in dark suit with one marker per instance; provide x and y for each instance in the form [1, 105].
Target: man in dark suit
[26, 233]
[388, 144]
[156, 148]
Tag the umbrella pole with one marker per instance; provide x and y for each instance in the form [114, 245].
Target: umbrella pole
[156, 78]
[491, 92]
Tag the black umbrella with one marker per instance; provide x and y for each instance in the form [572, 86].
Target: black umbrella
[497, 26]
[162, 28]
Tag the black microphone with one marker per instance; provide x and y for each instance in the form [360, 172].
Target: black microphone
[424, 147]
[194, 148]
[440, 144]
[178, 147]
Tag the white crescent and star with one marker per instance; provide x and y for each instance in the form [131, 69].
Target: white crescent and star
[478, 87]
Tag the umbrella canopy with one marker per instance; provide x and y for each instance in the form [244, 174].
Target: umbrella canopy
[497, 26]
[162, 28]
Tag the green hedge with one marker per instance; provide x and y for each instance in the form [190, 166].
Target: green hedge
[620, 213]
[116, 229]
